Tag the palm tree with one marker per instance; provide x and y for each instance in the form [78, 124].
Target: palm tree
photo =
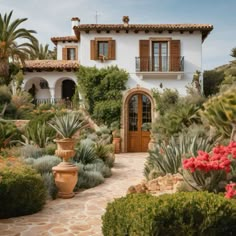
[40, 51]
[10, 49]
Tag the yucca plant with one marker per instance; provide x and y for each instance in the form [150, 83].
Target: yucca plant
[67, 125]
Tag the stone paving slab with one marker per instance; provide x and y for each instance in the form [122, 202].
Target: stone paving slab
[80, 215]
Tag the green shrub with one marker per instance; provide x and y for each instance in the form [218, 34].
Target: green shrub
[8, 132]
[99, 166]
[22, 191]
[196, 213]
[32, 151]
[99, 87]
[88, 179]
[50, 185]
[50, 149]
[43, 164]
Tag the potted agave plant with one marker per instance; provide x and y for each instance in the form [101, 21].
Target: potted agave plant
[66, 173]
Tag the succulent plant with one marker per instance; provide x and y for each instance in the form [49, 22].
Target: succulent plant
[67, 125]
[220, 112]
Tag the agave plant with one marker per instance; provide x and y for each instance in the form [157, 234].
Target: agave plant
[67, 125]
[167, 158]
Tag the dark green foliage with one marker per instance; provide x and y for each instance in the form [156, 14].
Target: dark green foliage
[196, 213]
[102, 91]
[211, 81]
[22, 191]
[166, 100]
[107, 111]
[5, 94]
[175, 112]
[43, 165]
[8, 132]
[233, 52]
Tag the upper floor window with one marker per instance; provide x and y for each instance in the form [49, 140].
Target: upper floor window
[69, 53]
[159, 55]
[102, 49]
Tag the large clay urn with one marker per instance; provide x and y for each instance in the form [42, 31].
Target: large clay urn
[66, 173]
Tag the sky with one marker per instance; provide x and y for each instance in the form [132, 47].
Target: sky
[52, 18]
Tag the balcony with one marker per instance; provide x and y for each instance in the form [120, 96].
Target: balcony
[161, 66]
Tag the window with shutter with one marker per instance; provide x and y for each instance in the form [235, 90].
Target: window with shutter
[144, 55]
[70, 53]
[103, 49]
[64, 53]
[159, 55]
[175, 59]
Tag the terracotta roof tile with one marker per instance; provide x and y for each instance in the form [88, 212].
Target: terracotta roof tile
[64, 38]
[204, 28]
[83, 27]
[50, 65]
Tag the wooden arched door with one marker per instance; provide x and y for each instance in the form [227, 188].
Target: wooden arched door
[139, 113]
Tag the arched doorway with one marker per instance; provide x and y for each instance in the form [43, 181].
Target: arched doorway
[139, 114]
[68, 89]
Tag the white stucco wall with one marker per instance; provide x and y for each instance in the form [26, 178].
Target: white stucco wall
[54, 80]
[61, 45]
[127, 48]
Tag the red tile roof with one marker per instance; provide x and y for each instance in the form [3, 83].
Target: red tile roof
[204, 28]
[64, 38]
[50, 65]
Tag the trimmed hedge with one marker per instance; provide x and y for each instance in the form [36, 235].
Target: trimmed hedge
[22, 191]
[192, 213]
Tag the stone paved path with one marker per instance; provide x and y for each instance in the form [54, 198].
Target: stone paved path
[80, 215]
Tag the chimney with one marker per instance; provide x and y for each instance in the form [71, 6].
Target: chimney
[125, 21]
[74, 22]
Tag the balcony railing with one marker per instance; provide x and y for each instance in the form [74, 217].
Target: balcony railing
[65, 102]
[159, 64]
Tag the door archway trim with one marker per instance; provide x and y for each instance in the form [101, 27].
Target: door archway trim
[124, 116]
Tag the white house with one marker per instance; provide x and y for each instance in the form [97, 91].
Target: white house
[152, 54]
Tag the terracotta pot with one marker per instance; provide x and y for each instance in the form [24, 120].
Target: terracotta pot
[116, 143]
[65, 148]
[65, 174]
[66, 177]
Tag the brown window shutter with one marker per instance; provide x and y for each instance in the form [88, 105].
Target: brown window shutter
[175, 55]
[64, 53]
[144, 55]
[111, 49]
[93, 50]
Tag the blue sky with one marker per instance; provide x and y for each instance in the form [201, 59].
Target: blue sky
[52, 18]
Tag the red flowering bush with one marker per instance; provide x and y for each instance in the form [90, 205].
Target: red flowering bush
[208, 171]
[230, 190]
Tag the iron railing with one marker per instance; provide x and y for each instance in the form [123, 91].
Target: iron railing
[159, 64]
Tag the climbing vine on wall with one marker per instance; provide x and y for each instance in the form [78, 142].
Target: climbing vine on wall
[101, 90]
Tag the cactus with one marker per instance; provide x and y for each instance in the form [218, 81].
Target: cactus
[220, 112]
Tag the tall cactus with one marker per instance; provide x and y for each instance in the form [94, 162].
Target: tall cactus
[220, 112]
